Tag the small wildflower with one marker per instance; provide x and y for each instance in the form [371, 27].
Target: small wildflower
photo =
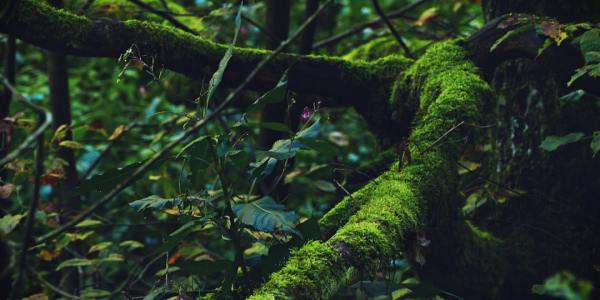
[306, 114]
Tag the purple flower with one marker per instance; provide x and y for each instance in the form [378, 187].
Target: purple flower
[306, 114]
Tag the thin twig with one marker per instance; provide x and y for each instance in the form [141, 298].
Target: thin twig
[359, 28]
[391, 28]
[39, 169]
[194, 129]
[43, 115]
[443, 136]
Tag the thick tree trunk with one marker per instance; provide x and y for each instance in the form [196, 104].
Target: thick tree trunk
[546, 206]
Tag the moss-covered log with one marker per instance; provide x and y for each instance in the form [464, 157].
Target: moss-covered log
[361, 84]
[379, 221]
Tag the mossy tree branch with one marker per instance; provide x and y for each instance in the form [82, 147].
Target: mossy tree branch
[345, 83]
[378, 221]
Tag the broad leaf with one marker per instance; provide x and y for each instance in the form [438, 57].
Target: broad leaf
[265, 214]
[552, 142]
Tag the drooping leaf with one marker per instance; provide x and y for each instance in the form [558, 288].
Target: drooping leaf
[552, 142]
[265, 214]
[216, 78]
[155, 202]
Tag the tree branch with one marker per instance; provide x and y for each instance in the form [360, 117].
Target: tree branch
[58, 30]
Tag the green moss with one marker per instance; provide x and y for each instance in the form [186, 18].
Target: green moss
[124, 10]
[374, 49]
[376, 220]
[313, 272]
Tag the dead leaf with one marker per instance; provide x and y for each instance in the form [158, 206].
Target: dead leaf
[6, 190]
[553, 30]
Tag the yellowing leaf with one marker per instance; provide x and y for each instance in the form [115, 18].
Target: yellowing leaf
[46, 255]
[427, 16]
[71, 145]
[553, 30]
[99, 247]
[119, 131]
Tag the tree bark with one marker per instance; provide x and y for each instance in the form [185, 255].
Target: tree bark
[60, 103]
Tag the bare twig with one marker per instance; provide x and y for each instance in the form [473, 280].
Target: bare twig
[359, 28]
[391, 28]
[188, 133]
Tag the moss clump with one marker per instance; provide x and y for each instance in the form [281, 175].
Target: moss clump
[314, 271]
[374, 49]
[121, 10]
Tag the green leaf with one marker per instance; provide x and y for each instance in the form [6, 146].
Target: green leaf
[552, 142]
[216, 78]
[565, 286]
[265, 214]
[99, 247]
[572, 97]
[511, 34]
[275, 95]
[155, 202]
[131, 245]
[88, 223]
[310, 132]
[325, 186]
[9, 222]
[595, 145]
[76, 262]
